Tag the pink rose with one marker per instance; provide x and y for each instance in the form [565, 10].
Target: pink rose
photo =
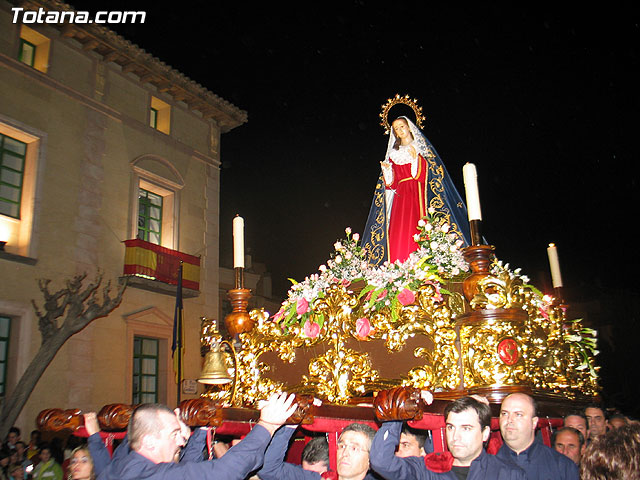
[311, 329]
[382, 294]
[302, 306]
[406, 297]
[363, 327]
[279, 316]
[438, 296]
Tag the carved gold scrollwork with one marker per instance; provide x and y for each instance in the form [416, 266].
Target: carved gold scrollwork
[510, 336]
[487, 361]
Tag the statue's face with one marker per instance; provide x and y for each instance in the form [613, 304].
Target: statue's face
[401, 128]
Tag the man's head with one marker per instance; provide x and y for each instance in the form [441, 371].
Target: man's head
[155, 433]
[21, 447]
[45, 453]
[411, 442]
[578, 421]
[353, 451]
[13, 436]
[569, 442]
[468, 427]
[315, 456]
[617, 420]
[16, 471]
[35, 437]
[518, 420]
[597, 419]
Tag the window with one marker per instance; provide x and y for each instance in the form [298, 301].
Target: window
[153, 118]
[145, 370]
[34, 49]
[21, 158]
[12, 159]
[154, 214]
[27, 52]
[160, 115]
[149, 216]
[5, 333]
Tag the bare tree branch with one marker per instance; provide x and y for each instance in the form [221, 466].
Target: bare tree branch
[70, 302]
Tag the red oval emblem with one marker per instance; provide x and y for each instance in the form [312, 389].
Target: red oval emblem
[508, 351]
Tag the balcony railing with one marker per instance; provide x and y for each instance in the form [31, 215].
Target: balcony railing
[153, 262]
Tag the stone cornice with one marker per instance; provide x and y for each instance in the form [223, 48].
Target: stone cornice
[149, 69]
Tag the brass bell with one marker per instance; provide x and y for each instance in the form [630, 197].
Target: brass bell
[214, 370]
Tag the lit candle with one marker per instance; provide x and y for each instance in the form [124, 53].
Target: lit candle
[471, 189]
[238, 242]
[556, 278]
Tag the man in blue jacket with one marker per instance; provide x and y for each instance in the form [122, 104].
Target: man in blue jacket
[518, 422]
[156, 437]
[468, 423]
[352, 459]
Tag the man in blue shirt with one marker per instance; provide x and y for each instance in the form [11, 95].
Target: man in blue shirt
[352, 458]
[468, 423]
[156, 437]
[518, 423]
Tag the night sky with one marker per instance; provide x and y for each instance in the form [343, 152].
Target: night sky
[545, 105]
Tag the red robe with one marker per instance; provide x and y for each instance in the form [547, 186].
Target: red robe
[408, 207]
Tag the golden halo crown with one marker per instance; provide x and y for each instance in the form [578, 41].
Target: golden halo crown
[384, 115]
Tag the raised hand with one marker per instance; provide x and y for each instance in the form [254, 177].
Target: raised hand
[276, 410]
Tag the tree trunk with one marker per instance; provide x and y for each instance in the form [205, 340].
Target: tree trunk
[82, 307]
[29, 379]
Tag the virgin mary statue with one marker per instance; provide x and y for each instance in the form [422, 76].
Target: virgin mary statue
[413, 182]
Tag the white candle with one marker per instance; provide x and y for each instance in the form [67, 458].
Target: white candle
[471, 189]
[556, 278]
[238, 242]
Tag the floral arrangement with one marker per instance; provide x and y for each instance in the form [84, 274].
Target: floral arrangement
[390, 285]
[584, 341]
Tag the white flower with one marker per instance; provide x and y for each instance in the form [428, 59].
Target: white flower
[445, 228]
[348, 230]
[416, 237]
[322, 268]
[434, 245]
[421, 223]
[356, 237]
[338, 259]
[337, 246]
[431, 210]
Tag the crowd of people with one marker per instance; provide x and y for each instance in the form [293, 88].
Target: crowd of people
[39, 460]
[591, 445]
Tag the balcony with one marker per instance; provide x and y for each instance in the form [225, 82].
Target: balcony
[151, 267]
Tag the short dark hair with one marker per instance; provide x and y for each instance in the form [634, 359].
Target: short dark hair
[599, 406]
[469, 403]
[15, 430]
[368, 431]
[618, 415]
[144, 421]
[567, 429]
[419, 435]
[316, 450]
[577, 413]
